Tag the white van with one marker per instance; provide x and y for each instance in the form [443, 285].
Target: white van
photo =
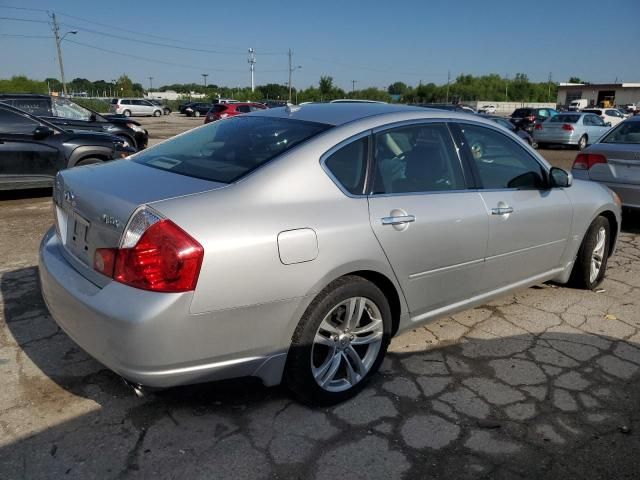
[577, 105]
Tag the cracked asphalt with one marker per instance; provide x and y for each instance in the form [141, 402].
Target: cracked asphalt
[540, 384]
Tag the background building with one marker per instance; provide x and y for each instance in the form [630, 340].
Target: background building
[616, 93]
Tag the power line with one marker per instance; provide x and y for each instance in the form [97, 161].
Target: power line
[24, 36]
[23, 8]
[23, 20]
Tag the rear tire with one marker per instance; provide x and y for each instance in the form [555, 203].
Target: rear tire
[196, 113]
[339, 343]
[591, 262]
[157, 113]
[582, 143]
[127, 113]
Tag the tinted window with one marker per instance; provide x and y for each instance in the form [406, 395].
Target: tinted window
[500, 161]
[625, 132]
[114, 100]
[219, 107]
[521, 112]
[11, 122]
[595, 120]
[420, 158]
[125, 102]
[243, 108]
[34, 106]
[613, 113]
[590, 110]
[226, 151]
[349, 164]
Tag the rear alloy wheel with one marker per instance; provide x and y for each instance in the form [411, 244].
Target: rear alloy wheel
[157, 113]
[196, 113]
[582, 143]
[591, 262]
[126, 113]
[339, 342]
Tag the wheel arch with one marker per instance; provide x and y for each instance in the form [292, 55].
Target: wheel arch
[613, 231]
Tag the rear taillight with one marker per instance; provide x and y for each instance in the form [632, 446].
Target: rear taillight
[223, 115]
[531, 118]
[162, 258]
[538, 126]
[567, 127]
[584, 161]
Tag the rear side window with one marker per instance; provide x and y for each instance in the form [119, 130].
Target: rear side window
[114, 101]
[349, 165]
[219, 107]
[521, 112]
[227, 151]
[12, 122]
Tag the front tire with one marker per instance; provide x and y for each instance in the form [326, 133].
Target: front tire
[339, 343]
[88, 161]
[591, 262]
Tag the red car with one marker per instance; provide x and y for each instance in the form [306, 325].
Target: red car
[225, 110]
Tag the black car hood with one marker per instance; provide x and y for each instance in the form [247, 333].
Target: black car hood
[120, 119]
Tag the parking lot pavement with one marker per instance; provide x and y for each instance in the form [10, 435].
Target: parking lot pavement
[540, 384]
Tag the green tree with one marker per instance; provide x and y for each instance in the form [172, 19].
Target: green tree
[397, 88]
[326, 85]
[22, 84]
[124, 87]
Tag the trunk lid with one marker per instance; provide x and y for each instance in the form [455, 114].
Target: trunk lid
[623, 163]
[93, 205]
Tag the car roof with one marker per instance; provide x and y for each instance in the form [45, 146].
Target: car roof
[341, 113]
[33, 117]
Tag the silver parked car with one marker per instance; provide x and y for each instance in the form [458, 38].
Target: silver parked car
[293, 243]
[577, 129]
[135, 107]
[615, 162]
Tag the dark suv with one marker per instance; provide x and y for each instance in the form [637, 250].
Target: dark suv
[527, 118]
[33, 150]
[71, 116]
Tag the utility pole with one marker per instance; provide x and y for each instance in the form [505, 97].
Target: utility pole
[205, 75]
[549, 93]
[56, 33]
[448, 80]
[150, 84]
[290, 71]
[252, 67]
[353, 86]
[506, 88]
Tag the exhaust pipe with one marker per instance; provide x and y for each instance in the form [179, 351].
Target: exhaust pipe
[138, 389]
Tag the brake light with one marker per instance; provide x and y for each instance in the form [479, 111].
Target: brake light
[538, 126]
[224, 115]
[531, 118]
[567, 127]
[164, 258]
[584, 161]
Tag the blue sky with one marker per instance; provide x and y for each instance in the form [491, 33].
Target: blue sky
[372, 42]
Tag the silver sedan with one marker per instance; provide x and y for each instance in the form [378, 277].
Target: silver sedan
[291, 244]
[576, 129]
[615, 162]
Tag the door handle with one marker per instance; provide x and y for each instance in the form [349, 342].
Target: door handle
[501, 210]
[399, 220]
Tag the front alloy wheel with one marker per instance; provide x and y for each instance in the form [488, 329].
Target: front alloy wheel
[591, 262]
[339, 343]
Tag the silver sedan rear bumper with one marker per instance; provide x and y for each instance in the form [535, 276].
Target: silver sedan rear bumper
[151, 339]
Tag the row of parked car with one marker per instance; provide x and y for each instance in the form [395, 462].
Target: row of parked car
[42, 134]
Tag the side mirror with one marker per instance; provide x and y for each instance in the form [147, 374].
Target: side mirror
[41, 132]
[608, 124]
[92, 117]
[560, 178]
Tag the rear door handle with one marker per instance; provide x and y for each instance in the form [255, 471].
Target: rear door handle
[501, 210]
[399, 220]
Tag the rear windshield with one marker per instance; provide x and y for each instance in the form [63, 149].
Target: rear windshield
[591, 110]
[562, 118]
[114, 101]
[219, 107]
[226, 151]
[521, 112]
[625, 132]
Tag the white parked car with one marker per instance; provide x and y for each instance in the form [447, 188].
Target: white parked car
[609, 115]
[487, 109]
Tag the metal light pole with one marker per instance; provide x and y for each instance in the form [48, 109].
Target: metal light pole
[252, 66]
[353, 86]
[58, 38]
[291, 69]
[205, 75]
[150, 84]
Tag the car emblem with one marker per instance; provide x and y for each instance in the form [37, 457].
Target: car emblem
[110, 220]
[69, 196]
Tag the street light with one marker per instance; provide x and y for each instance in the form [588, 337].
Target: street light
[58, 38]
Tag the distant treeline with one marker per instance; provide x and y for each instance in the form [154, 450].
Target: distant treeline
[463, 88]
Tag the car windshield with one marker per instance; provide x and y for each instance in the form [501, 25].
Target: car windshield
[64, 108]
[226, 151]
[562, 118]
[625, 132]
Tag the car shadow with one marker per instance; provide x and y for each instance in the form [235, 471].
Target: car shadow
[528, 393]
